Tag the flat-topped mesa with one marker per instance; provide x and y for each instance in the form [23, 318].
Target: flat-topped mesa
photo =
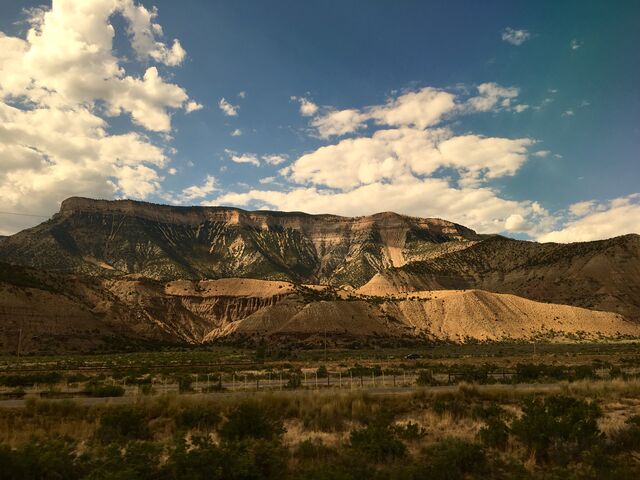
[260, 219]
[127, 237]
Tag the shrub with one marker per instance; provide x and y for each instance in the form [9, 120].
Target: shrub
[378, 441]
[246, 460]
[314, 450]
[558, 428]
[137, 459]
[198, 417]
[453, 459]
[409, 431]
[486, 413]
[184, 384]
[96, 390]
[627, 438]
[248, 420]
[51, 458]
[495, 433]
[455, 406]
[122, 424]
[29, 380]
[425, 378]
[294, 381]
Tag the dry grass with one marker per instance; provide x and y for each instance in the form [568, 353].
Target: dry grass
[325, 415]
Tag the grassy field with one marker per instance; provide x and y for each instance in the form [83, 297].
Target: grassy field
[475, 411]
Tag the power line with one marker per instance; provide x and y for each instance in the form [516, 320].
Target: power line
[24, 214]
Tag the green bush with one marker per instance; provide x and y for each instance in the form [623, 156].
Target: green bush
[138, 460]
[184, 384]
[246, 460]
[453, 459]
[29, 380]
[248, 420]
[627, 438]
[200, 417]
[122, 424]
[294, 382]
[558, 428]
[378, 441]
[314, 451]
[96, 390]
[495, 433]
[40, 459]
[455, 406]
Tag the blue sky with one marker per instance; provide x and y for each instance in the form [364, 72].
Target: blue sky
[514, 117]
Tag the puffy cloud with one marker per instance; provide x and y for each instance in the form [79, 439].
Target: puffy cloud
[581, 209]
[575, 44]
[144, 33]
[59, 83]
[515, 37]
[490, 96]
[267, 180]
[67, 59]
[391, 153]
[307, 107]
[593, 220]
[236, 133]
[192, 106]
[422, 108]
[195, 192]
[275, 158]
[338, 122]
[419, 109]
[516, 223]
[242, 94]
[228, 109]
[236, 157]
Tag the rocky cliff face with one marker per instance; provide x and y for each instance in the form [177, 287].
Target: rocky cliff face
[601, 275]
[102, 272]
[113, 238]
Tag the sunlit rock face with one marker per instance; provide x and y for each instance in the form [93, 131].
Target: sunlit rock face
[112, 238]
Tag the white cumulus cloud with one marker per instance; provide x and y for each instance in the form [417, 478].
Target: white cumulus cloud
[596, 220]
[514, 36]
[228, 109]
[59, 85]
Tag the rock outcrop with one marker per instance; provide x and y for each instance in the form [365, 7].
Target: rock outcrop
[114, 238]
